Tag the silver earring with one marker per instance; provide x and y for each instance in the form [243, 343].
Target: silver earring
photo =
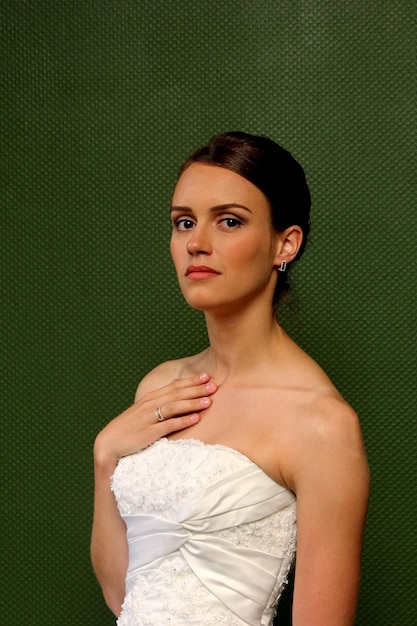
[283, 266]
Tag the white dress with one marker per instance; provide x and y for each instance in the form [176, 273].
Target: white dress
[211, 536]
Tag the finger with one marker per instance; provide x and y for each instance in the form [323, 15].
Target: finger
[158, 414]
[201, 378]
[177, 391]
[179, 423]
[187, 387]
[178, 408]
[178, 398]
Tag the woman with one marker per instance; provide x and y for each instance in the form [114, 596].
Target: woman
[230, 459]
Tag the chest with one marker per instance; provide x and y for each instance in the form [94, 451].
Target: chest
[253, 421]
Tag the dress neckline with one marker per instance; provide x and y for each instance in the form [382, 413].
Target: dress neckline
[193, 441]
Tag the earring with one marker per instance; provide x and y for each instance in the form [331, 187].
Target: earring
[283, 266]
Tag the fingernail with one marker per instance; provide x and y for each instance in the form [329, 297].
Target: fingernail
[210, 387]
[204, 376]
[205, 401]
[194, 418]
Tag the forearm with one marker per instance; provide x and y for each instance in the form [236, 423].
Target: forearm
[326, 602]
[109, 552]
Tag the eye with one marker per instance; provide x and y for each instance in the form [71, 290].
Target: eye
[231, 223]
[183, 224]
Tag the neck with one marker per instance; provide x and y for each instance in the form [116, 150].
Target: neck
[242, 342]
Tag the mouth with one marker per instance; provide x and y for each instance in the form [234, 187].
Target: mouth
[200, 272]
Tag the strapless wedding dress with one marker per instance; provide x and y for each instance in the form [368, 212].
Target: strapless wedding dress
[211, 536]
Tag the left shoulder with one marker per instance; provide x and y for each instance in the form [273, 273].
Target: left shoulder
[328, 446]
[324, 418]
[333, 421]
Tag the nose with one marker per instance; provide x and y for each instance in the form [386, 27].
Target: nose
[199, 241]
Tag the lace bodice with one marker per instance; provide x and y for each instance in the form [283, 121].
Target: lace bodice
[211, 536]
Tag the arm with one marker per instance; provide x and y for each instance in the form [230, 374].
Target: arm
[137, 427]
[109, 553]
[331, 480]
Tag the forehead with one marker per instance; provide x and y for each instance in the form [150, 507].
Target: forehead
[211, 185]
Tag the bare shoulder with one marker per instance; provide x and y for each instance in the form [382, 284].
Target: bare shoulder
[324, 418]
[328, 446]
[166, 372]
[330, 420]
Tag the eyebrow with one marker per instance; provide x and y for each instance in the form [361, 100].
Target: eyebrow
[218, 208]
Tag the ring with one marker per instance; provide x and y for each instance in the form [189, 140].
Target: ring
[159, 415]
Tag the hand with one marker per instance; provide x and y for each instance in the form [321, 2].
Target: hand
[180, 403]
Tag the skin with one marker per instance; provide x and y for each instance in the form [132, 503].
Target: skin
[254, 390]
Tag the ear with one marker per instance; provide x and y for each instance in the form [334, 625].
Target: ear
[288, 244]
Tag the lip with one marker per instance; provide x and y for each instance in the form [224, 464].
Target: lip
[200, 272]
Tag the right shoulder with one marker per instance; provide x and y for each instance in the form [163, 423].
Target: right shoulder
[161, 375]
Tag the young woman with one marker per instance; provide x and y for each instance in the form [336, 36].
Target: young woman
[233, 459]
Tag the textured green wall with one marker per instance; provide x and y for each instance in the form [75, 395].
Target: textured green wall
[101, 100]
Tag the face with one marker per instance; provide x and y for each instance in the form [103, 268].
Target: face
[223, 245]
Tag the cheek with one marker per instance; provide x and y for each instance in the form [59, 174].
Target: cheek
[255, 260]
[253, 252]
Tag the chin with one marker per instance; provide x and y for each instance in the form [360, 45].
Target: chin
[213, 305]
[199, 304]
[198, 297]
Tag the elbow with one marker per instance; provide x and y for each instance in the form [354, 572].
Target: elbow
[112, 588]
[110, 570]
[114, 602]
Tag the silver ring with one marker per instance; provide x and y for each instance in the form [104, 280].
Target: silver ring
[159, 415]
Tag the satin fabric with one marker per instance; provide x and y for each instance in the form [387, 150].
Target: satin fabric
[241, 578]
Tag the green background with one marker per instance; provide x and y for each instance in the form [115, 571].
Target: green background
[100, 102]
